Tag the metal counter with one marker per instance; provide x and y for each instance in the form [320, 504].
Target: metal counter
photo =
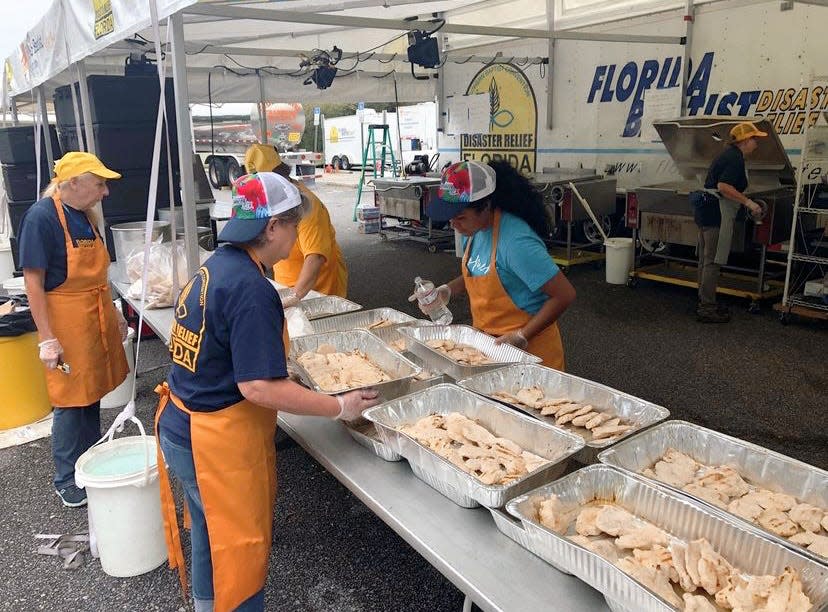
[464, 545]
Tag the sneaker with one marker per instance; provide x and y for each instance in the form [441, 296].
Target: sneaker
[712, 316]
[720, 308]
[72, 496]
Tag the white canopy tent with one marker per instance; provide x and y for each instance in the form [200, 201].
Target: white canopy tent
[221, 51]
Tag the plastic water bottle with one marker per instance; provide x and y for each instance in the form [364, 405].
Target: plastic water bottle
[426, 294]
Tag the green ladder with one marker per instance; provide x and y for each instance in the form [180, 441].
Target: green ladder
[383, 146]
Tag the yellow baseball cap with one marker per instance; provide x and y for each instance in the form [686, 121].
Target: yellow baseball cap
[261, 158]
[743, 131]
[76, 163]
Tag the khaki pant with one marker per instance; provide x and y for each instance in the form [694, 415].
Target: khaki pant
[708, 268]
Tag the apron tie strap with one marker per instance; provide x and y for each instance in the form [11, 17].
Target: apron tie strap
[172, 533]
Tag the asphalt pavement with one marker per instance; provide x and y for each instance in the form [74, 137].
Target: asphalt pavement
[752, 378]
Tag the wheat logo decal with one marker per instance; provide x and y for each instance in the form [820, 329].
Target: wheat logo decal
[497, 117]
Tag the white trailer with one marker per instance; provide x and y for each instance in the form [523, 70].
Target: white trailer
[746, 58]
[417, 134]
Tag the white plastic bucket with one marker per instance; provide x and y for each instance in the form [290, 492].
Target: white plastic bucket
[120, 395]
[121, 481]
[619, 260]
[6, 262]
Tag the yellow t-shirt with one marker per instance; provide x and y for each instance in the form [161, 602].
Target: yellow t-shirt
[316, 236]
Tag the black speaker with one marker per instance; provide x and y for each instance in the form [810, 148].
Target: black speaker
[124, 146]
[17, 145]
[116, 99]
[128, 195]
[21, 183]
[16, 212]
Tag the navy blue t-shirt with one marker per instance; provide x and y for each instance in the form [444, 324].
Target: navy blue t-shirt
[227, 330]
[42, 241]
[728, 167]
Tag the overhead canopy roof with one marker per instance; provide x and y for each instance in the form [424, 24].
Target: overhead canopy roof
[245, 47]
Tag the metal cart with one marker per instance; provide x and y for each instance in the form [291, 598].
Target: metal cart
[575, 239]
[404, 200]
[661, 216]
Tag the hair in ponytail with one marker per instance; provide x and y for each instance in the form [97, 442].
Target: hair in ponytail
[516, 195]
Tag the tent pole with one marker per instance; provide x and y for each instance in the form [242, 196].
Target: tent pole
[262, 110]
[86, 109]
[689, 17]
[550, 69]
[47, 133]
[88, 130]
[185, 141]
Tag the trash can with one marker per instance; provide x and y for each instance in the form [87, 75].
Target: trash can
[619, 260]
[22, 378]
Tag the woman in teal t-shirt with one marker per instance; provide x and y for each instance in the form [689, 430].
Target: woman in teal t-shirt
[516, 291]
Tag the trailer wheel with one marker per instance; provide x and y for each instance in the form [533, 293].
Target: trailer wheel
[234, 171]
[217, 172]
[335, 162]
[345, 163]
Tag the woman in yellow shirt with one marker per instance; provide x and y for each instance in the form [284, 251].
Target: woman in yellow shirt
[316, 261]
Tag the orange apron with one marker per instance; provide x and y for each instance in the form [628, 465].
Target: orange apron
[314, 231]
[84, 321]
[234, 454]
[494, 312]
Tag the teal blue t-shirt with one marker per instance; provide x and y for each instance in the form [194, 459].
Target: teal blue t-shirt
[523, 263]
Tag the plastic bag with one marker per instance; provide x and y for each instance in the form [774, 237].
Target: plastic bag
[159, 274]
[18, 321]
[298, 324]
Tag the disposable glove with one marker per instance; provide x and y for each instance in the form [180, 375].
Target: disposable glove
[122, 324]
[50, 352]
[352, 404]
[756, 211]
[442, 299]
[515, 338]
[126, 414]
[290, 300]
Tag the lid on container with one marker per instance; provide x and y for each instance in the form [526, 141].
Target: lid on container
[694, 142]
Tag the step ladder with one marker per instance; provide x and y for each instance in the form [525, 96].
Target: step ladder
[803, 262]
[374, 154]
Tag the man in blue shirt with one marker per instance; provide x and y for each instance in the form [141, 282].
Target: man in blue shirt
[715, 209]
[216, 418]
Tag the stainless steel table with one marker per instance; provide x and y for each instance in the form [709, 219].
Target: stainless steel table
[464, 545]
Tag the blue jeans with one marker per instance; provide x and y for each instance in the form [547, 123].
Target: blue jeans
[181, 466]
[74, 430]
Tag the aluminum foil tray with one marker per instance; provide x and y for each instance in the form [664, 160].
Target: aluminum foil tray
[758, 465]
[463, 488]
[365, 434]
[500, 354]
[327, 306]
[392, 334]
[674, 513]
[285, 291]
[511, 378]
[361, 320]
[400, 369]
[513, 529]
